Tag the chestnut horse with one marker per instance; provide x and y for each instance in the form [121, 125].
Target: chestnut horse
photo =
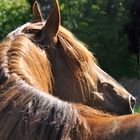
[29, 112]
[74, 74]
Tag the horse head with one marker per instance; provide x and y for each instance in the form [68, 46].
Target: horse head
[76, 75]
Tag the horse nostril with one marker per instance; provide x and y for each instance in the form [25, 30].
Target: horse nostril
[132, 102]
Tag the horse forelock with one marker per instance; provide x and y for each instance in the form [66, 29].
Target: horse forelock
[28, 113]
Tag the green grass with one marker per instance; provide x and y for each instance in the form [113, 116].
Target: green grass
[137, 109]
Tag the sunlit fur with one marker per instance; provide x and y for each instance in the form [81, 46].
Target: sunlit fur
[76, 54]
[29, 112]
[78, 58]
[33, 62]
[28, 61]
[73, 73]
[27, 109]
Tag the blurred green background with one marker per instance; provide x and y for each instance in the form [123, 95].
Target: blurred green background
[98, 23]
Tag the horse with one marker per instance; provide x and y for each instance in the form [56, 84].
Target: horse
[74, 73]
[29, 112]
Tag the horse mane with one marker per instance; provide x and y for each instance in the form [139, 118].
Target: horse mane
[4, 71]
[22, 56]
[27, 113]
[78, 58]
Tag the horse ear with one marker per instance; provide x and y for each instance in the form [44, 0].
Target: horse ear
[37, 16]
[48, 34]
